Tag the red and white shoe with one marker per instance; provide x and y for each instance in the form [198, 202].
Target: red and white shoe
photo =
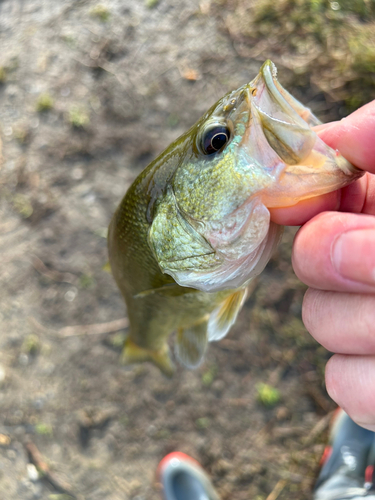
[184, 479]
[347, 462]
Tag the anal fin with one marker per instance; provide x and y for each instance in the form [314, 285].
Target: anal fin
[191, 344]
[132, 353]
[223, 317]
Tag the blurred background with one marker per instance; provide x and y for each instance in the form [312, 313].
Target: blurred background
[90, 92]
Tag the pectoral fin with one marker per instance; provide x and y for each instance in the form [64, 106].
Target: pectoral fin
[191, 344]
[132, 353]
[222, 318]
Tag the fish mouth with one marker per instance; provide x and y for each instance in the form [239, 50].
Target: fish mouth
[281, 140]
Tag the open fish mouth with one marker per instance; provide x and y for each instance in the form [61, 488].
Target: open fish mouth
[279, 138]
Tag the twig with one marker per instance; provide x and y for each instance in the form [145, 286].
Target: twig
[35, 457]
[318, 428]
[52, 274]
[280, 485]
[96, 329]
[318, 397]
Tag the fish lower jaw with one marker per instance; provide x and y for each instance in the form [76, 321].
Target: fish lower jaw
[295, 187]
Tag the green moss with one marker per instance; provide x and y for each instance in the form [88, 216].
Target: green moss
[86, 281]
[31, 344]
[202, 423]
[43, 429]
[22, 134]
[69, 40]
[101, 12]
[118, 340]
[267, 395]
[209, 376]
[150, 4]
[78, 117]
[22, 205]
[44, 103]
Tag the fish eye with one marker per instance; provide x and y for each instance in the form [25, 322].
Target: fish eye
[214, 139]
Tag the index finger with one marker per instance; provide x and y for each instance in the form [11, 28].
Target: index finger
[353, 136]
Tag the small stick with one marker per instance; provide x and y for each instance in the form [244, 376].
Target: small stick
[71, 331]
[96, 329]
[280, 485]
[318, 397]
[318, 428]
[52, 274]
[35, 457]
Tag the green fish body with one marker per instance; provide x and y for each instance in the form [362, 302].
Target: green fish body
[194, 228]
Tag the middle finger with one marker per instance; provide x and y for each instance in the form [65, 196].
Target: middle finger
[343, 323]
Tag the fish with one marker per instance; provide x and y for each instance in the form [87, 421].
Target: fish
[194, 228]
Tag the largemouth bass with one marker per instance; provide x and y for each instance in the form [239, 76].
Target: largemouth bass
[194, 228]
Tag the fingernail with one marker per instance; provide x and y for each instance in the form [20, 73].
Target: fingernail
[353, 255]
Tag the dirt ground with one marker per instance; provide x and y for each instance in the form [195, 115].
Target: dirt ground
[89, 94]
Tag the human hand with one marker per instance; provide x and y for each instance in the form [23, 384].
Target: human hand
[334, 253]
